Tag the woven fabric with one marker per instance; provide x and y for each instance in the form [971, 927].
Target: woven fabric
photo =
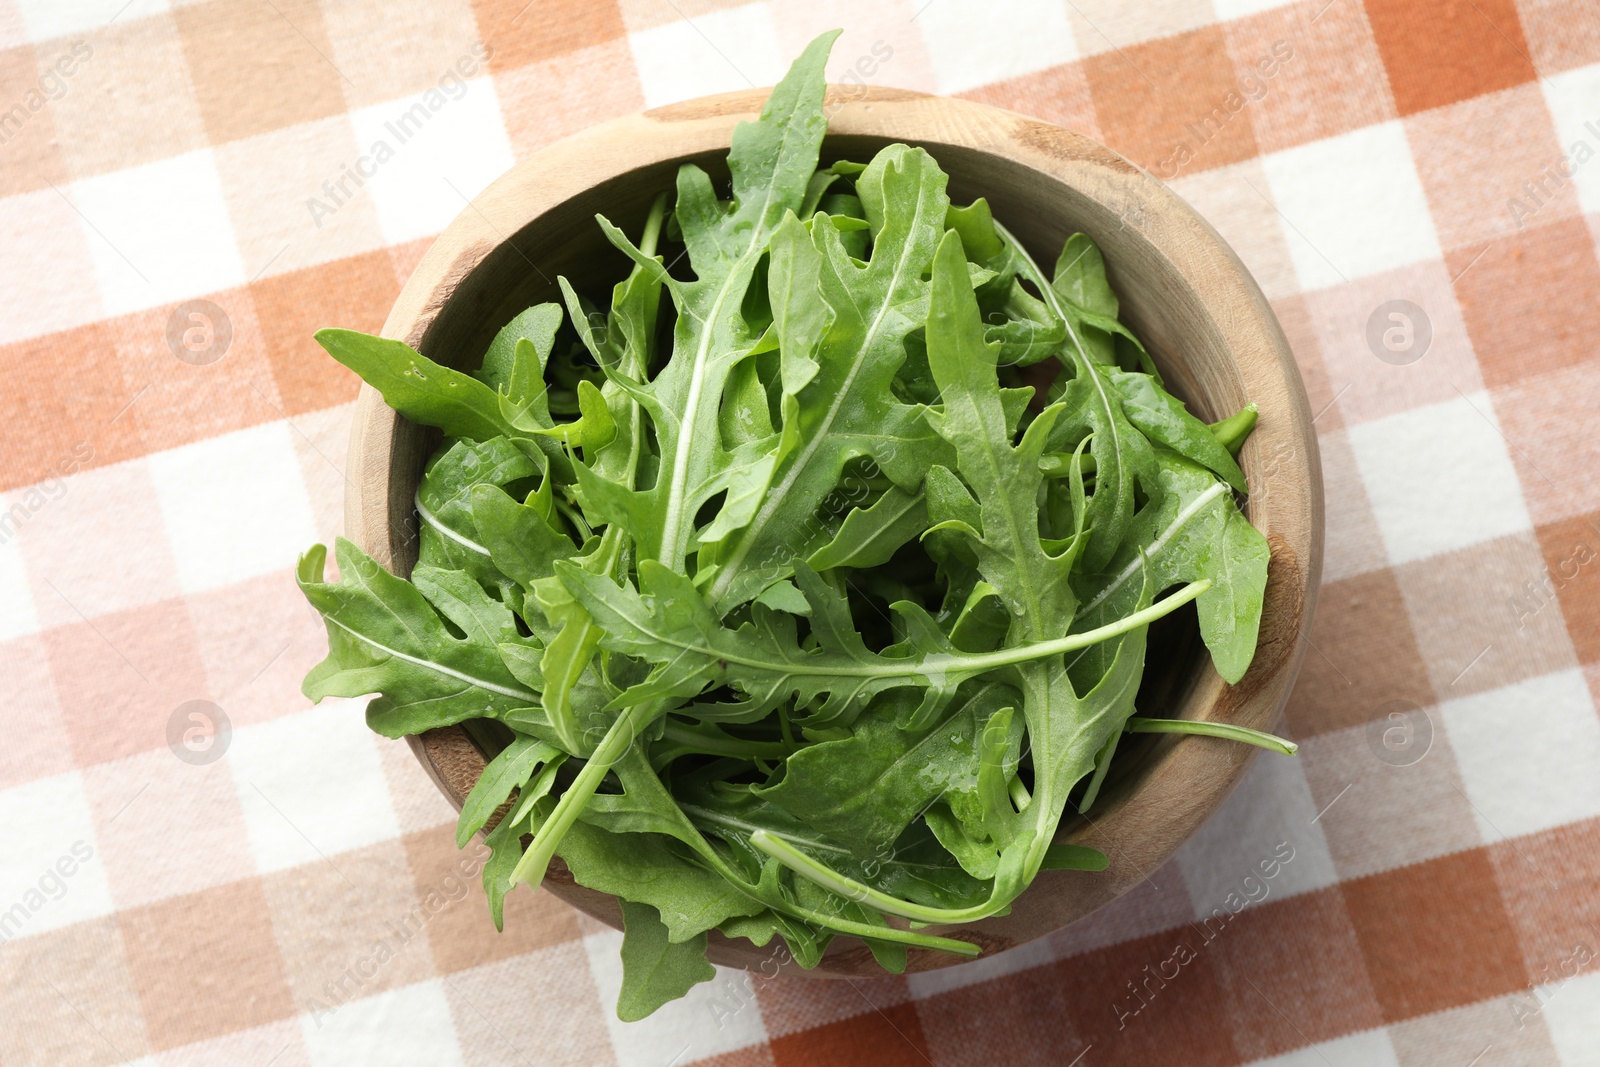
[188, 190]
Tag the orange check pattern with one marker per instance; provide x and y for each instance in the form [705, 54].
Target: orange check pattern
[289, 160]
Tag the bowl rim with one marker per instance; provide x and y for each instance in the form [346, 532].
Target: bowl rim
[1186, 777]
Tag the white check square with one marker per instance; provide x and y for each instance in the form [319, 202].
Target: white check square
[973, 43]
[1439, 478]
[1572, 1015]
[57, 18]
[425, 156]
[1573, 97]
[1352, 205]
[51, 873]
[717, 52]
[234, 506]
[397, 1028]
[158, 233]
[311, 786]
[1529, 754]
[45, 293]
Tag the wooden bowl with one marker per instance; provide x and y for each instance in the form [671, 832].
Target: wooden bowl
[1183, 291]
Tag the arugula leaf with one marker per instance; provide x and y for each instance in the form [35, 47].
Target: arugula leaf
[626, 344]
[672, 626]
[772, 161]
[521, 541]
[642, 867]
[656, 969]
[1193, 531]
[869, 536]
[448, 538]
[508, 771]
[505, 852]
[735, 818]
[420, 389]
[1163, 418]
[384, 637]
[501, 371]
[845, 353]
[865, 790]
[1092, 407]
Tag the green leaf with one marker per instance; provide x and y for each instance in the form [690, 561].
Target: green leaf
[772, 161]
[505, 852]
[448, 537]
[525, 661]
[1162, 417]
[864, 791]
[521, 542]
[1092, 406]
[384, 637]
[655, 969]
[458, 597]
[627, 347]
[595, 429]
[839, 375]
[975, 224]
[530, 794]
[736, 816]
[420, 389]
[1192, 531]
[508, 771]
[976, 854]
[1061, 856]
[523, 381]
[951, 503]
[983, 622]
[1080, 277]
[870, 535]
[671, 626]
[785, 596]
[643, 867]
[1034, 584]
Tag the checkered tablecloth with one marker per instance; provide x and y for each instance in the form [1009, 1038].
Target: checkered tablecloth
[284, 891]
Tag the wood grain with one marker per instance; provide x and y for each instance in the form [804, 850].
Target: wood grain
[1183, 291]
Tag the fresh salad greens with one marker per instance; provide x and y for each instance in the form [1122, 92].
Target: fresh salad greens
[791, 610]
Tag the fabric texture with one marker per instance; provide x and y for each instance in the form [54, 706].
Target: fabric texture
[197, 866]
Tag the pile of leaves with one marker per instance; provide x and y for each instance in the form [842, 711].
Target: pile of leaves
[791, 611]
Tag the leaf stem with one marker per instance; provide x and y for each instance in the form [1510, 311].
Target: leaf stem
[1102, 763]
[850, 889]
[652, 224]
[773, 896]
[1232, 431]
[714, 742]
[531, 868]
[1006, 657]
[1138, 724]
[970, 663]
